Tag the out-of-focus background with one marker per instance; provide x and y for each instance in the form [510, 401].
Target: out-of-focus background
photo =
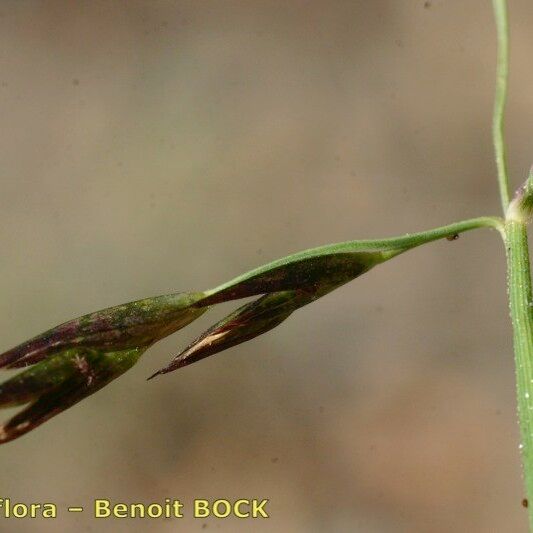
[155, 146]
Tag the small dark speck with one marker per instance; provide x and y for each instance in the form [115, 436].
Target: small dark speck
[398, 43]
[321, 409]
[204, 526]
[427, 5]
[259, 251]
[453, 237]
[75, 81]
[274, 459]
[525, 503]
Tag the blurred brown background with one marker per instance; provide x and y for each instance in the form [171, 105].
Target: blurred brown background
[156, 146]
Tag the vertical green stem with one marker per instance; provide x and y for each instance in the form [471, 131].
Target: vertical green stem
[521, 301]
[502, 71]
[518, 267]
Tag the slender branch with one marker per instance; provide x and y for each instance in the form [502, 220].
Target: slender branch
[396, 245]
[502, 70]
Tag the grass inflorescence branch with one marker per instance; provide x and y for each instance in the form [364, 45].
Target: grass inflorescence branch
[73, 360]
